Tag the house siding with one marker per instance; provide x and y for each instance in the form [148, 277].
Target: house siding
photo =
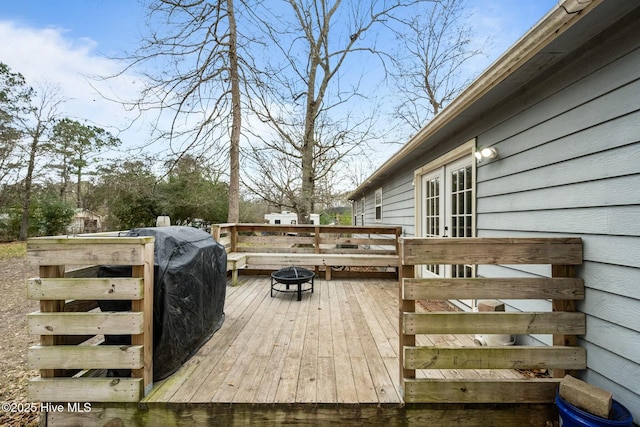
[398, 190]
[397, 204]
[569, 165]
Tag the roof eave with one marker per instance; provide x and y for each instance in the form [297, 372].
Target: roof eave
[550, 27]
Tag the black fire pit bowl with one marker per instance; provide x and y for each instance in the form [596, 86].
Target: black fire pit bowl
[282, 279]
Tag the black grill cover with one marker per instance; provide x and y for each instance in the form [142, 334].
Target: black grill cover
[189, 292]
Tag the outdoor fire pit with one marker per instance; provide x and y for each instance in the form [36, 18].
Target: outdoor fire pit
[282, 279]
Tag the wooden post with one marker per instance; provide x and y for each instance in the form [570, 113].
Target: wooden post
[405, 306]
[51, 306]
[233, 233]
[316, 245]
[316, 240]
[215, 232]
[563, 305]
[398, 236]
[404, 271]
[145, 305]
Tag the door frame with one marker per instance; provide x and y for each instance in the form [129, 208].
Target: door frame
[465, 150]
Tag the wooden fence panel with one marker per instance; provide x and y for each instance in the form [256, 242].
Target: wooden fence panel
[85, 389]
[63, 321]
[327, 248]
[479, 391]
[86, 357]
[499, 288]
[108, 288]
[495, 323]
[563, 322]
[119, 323]
[492, 251]
[505, 357]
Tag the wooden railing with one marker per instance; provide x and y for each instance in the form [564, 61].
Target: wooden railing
[331, 239]
[69, 356]
[258, 246]
[563, 322]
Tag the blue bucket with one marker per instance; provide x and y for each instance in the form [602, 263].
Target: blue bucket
[570, 416]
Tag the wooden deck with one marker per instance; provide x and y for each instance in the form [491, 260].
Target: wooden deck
[330, 359]
[337, 345]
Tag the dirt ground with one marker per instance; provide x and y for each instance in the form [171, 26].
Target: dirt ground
[15, 341]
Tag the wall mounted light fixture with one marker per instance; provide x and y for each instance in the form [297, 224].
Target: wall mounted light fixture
[485, 153]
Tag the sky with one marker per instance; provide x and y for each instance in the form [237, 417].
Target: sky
[71, 44]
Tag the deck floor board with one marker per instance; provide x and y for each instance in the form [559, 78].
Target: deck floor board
[337, 345]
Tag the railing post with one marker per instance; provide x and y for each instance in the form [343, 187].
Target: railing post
[563, 305]
[398, 236]
[316, 244]
[145, 305]
[51, 306]
[215, 232]
[233, 231]
[405, 306]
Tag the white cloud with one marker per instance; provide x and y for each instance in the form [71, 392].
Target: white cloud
[46, 56]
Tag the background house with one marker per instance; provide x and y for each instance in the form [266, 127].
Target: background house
[84, 221]
[561, 109]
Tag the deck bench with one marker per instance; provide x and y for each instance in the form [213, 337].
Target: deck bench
[239, 260]
[321, 260]
[266, 246]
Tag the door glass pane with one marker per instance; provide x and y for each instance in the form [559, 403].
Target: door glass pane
[432, 214]
[448, 213]
[432, 208]
[461, 211]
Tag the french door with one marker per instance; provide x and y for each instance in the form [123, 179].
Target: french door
[448, 210]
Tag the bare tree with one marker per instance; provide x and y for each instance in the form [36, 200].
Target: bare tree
[35, 125]
[359, 171]
[433, 50]
[277, 165]
[275, 178]
[309, 97]
[194, 74]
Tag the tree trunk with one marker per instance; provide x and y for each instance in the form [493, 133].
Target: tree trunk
[78, 187]
[306, 196]
[308, 143]
[64, 184]
[233, 216]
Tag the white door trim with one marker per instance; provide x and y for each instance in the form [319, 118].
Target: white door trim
[465, 150]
